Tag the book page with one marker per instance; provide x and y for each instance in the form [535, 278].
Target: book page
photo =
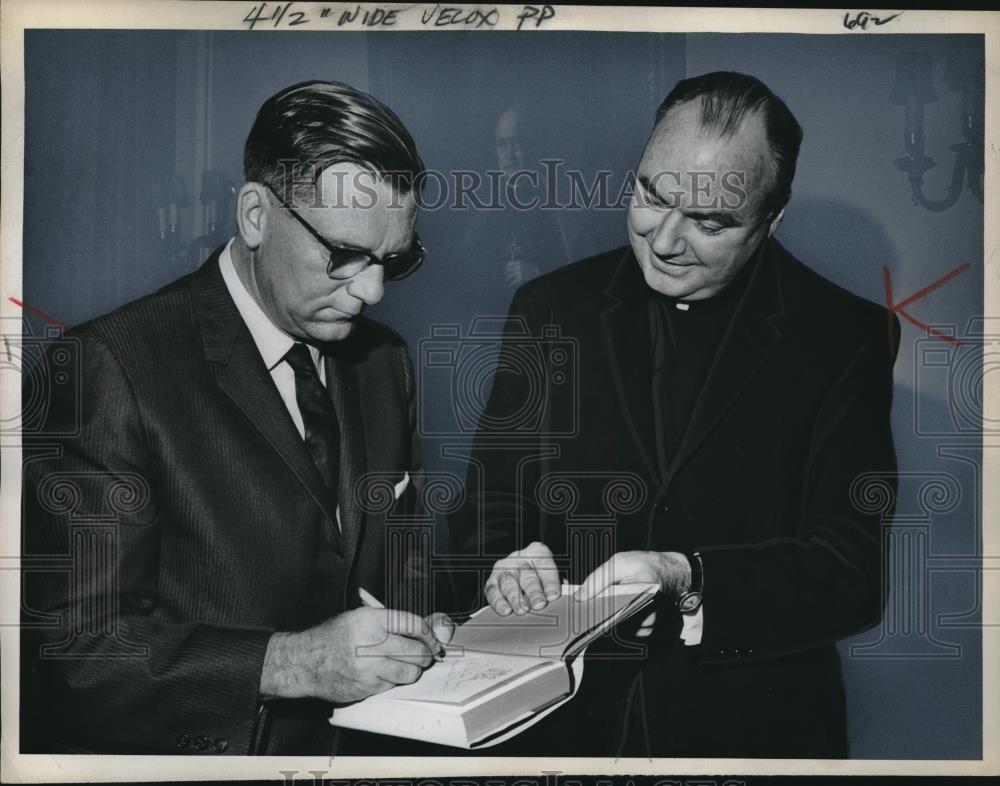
[464, 677]
[565, 625]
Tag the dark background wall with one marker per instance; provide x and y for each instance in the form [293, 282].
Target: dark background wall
[113, 115]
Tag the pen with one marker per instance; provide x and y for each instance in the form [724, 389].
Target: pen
[374, 603]
[370, 600]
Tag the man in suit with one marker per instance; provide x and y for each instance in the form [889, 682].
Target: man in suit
[725, 409]
[219, 495]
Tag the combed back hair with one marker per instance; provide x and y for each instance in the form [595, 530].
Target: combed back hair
[726, 99]
[303, 129]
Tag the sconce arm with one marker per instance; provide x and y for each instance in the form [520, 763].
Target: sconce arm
[916, 177]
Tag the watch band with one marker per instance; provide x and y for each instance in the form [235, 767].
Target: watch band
[690, 600]
[697, 571]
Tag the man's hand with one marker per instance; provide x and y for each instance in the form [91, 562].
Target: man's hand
[527, 579]
[441, 625]
[353, 655]
[669, 569]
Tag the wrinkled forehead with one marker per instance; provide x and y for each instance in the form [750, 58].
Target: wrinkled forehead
[350, 185]
[682, 152]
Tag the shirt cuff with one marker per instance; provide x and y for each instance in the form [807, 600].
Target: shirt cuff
[693, 623]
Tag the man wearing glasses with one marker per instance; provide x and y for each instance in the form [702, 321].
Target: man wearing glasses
[242, 408]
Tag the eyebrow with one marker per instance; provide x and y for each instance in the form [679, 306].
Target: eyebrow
[715, 216]
[647, 186]
[724, 218]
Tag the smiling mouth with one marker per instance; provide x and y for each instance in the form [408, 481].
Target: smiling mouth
[670, 266]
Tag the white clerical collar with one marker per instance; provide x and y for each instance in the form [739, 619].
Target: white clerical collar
[272, 342]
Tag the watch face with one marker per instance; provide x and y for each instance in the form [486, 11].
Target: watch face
[689, 602]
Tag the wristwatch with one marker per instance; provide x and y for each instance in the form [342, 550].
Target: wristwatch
[690, 601]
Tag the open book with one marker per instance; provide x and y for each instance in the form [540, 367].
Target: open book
[500, 675]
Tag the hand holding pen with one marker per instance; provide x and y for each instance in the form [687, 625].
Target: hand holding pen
[441, 624]
[353, 655]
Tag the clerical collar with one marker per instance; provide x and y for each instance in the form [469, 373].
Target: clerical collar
[724, 300]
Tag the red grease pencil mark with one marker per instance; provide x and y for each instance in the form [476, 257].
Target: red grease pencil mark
[37, 312]
[898, 308]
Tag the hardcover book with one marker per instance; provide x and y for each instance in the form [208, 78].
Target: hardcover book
[500, 674]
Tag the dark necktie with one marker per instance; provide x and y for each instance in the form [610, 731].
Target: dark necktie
[322, 435]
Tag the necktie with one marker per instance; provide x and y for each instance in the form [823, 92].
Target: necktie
[322, 434]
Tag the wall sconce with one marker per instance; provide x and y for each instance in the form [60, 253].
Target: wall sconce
[170, 197]
[915, 87]
[216, 200]
[217, 195]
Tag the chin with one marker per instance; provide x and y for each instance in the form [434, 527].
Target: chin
[327, 331]
[671, 286]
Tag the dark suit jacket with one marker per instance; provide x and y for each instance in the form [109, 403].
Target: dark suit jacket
[184, 522]
[793, 414]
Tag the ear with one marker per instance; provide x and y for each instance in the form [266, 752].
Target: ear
[252, 214]
[775, 223]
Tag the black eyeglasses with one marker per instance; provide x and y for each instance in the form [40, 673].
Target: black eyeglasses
[346, 261]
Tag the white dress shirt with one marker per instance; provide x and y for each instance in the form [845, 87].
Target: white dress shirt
[272, 342]
[693, 623]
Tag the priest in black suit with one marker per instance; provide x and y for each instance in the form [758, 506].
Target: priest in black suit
[225, 467]
[728, 410]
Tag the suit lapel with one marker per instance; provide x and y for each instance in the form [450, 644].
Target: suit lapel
[751, 334]
[627, 341]
[240, 372]
[342, 384]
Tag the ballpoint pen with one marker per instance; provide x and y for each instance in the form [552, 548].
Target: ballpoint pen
[372, 602]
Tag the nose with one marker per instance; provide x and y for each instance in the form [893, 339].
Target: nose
[368, 285]
[667, 239]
